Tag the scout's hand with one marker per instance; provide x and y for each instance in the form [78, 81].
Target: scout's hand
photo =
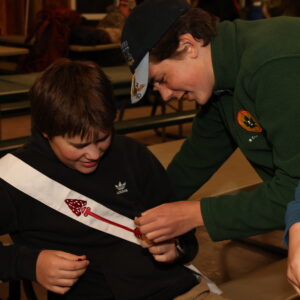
[163, 252]
[166, 221]
[293, 271]
[57, 271]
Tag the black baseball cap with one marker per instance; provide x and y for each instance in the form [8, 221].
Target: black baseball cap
[143, 29]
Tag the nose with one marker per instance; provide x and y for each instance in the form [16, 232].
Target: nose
[165, 93]
[93, 152]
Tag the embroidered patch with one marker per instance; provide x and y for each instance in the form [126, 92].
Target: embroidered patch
[79, 207]
[247, 121]
[76, 206]
[126, 52]
[136, 88]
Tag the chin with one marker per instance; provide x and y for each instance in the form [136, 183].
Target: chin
[87, 170]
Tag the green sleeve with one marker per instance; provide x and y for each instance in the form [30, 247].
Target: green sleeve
[275, 88]
[156, 189]
[202, 153]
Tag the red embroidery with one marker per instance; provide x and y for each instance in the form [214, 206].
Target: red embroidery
[78, 207]
[75, 205]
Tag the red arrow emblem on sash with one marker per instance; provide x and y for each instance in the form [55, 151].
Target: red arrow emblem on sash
[78, 207]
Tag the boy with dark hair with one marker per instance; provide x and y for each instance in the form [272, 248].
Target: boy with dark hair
[245, 75]
[69, 197]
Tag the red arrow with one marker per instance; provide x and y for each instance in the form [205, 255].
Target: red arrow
[78, 207]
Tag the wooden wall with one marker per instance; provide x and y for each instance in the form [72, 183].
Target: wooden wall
[17, 11]
[12, 16]
[2, 17]
[58, 3]
[13, 12]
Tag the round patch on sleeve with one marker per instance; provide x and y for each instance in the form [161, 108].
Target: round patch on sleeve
[248, 122]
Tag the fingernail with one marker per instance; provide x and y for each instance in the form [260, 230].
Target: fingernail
[81, 259]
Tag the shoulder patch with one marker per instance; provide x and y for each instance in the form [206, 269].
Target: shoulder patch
[248, 122]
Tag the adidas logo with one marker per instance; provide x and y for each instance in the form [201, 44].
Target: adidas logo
[121, 188]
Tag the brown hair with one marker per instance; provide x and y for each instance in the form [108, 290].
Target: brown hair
[200, 24]
[72, 98]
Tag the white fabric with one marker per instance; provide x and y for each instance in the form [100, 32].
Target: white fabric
[53, 194]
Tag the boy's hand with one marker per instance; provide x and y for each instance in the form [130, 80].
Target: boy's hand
[57, 271]
[293, 271]
[163, 252]
[169, 220]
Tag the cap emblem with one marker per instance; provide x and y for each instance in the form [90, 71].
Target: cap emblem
[136, 88]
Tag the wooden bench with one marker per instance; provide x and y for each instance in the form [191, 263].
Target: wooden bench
[154, 122]
[19, 40]
[19, 84]
[8, 109]
[9, 57]
[13, 40]
[9, 145]
[12, 51]
[14, 94]
[94, 48]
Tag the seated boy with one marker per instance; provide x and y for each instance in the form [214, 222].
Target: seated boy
[69, 197]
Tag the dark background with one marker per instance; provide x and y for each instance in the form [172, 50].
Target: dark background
[92, 6]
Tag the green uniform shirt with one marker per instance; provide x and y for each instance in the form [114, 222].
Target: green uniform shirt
[260, 61]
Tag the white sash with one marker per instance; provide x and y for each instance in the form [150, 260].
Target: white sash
[55, 195]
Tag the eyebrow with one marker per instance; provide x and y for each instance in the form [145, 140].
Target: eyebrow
[104, 137]
[79, 144]
[97, 140]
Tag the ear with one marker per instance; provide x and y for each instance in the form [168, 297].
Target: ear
[188, 43]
